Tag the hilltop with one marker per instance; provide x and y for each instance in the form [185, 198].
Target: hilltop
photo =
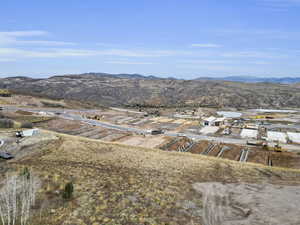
[120, 184]
[132, 90]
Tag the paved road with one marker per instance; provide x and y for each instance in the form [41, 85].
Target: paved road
[68, 114]
[126, 110]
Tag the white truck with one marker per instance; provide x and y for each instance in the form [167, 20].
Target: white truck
[27, 133]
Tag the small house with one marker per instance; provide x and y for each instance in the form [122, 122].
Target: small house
[213, 121]
[209, 121]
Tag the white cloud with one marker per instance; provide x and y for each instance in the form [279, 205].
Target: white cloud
[14, 38]
[142, 53]
[128, 63]
[208, 61]
[45, 43]
[30, 33]
[258, 34]
[21, 53]
[279, 5]
[63, 52]
[13, 47]
[206, 45]
[224, 62]
[253, 54]
[7, 60]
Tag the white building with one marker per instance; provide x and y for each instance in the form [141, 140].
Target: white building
[294, 137]
[248, 133]
[229, 114]
[213, 121]
[277, 136]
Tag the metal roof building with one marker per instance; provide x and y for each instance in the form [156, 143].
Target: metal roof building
[248, 133]
[294, 137]
[277, 136]
[229, 114]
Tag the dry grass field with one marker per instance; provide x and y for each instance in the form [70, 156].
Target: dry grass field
[120, 184]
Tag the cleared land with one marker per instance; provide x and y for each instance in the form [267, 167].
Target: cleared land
[147, 142]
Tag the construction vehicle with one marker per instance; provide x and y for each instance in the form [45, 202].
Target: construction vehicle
[226, 131]
[96, 117]
[273, 147]
[27, 133]
[156, 132]
[255, 143]
[6, 155]
[5, 93]
[267, 116]
[267, 146]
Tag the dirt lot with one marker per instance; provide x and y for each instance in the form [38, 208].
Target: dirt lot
[84, 130]
[249, 204]
[147, 142]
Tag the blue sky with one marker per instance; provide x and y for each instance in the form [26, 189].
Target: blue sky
[184, 39]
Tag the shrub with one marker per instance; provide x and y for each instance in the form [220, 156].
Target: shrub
[27, 125]
[68, 191]
[6, 123]
[52, 104]
[25, 173]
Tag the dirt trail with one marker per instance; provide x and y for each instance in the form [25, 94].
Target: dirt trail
[248, 204]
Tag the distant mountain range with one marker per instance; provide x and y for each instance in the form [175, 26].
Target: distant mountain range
[244, 79]
[152, 91]
[249, 79]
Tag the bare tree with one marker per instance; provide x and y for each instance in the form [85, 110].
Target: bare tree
[17, 196]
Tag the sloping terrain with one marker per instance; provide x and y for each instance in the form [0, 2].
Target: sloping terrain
[119, 184]
[126, 90]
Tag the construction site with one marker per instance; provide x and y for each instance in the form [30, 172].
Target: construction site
[122, 159]
[266, 137]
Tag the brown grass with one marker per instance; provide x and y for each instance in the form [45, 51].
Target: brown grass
[120, 184]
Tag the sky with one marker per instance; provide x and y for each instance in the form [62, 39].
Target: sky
[167, 38]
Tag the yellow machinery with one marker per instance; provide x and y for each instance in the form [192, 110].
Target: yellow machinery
[263, 117]
[5, 93]
[275, 147]
[267, 116]
[96, 117]
[267, 146]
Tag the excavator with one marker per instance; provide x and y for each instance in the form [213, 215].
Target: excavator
[95, 117]
[273, 147]
[267, 146]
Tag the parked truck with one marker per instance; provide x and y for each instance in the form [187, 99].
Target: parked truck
[156, 132]
[27, 133]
